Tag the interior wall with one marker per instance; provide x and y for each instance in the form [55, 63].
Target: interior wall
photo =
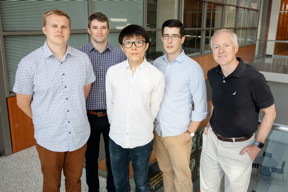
[273, 27]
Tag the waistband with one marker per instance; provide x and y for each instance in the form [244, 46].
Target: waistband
[229, 139]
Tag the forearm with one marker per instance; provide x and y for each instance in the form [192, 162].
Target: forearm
[266, 123]
[24, 103]
[194, 126]
[87, 89]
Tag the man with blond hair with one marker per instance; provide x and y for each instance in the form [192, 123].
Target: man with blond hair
[239, 92]
[51, 86]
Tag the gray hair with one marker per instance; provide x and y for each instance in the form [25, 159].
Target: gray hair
[232, 34]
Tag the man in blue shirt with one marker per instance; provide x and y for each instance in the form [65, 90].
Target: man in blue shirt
[51, 86]
[102, 55]
[183, 107]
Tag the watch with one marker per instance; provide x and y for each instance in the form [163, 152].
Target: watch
[189, 132]
[258, 144]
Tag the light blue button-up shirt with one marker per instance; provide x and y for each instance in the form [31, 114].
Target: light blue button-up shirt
[185, 98]
[58, 104]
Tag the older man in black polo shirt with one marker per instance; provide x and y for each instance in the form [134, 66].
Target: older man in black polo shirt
[239, 92]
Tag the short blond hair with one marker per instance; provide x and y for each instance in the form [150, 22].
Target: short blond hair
[232, 34]
[54, 12]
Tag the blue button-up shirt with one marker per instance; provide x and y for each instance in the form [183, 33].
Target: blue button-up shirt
[185, 98]
[101, 62]
[58, 104]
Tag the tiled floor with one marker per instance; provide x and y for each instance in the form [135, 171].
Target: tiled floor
[20, 172]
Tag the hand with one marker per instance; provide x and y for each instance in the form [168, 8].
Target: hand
[186, 137]
[206, 130]
[252, 151]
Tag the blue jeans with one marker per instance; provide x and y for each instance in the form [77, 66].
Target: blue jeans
[120, 158]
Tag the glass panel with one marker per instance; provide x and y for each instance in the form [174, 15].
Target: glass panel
[17, 47]
[241, 36]
[214, 15]
[155, 48]
[233, 2]
[242, 18]
[113, 39]
[192, 42]
[151, 14]
[269, 169]
[241, 2]
[254, 4]
[209, 15]
[251, 36]
[193, 14]
[130, 12]
[230, 15]
[208, 35]
[253, 19]
[27, 15]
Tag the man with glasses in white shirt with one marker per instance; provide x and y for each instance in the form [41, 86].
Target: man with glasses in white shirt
[183, 107]
[134, 91]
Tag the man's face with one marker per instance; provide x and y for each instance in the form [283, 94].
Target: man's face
[223, 48]
[136, 52]
[57, 30]
[172, 40]
[99, 31]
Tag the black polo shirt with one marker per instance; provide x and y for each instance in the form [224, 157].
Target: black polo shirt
[237, 100]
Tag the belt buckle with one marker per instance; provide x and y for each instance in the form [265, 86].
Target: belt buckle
[100, 114]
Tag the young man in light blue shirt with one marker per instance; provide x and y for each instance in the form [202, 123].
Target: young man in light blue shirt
[183, 107]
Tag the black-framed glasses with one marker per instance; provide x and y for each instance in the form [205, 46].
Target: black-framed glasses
[173, 37]
[137, 43]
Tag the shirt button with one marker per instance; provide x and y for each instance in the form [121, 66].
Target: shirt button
[65, 86]
[66, 98]
[68, 121]
[224, 81]
[69, 132]
[63, 74]
[68, 110]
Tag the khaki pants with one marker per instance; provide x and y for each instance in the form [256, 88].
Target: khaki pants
[52, 164]
[173, 156]
[221, 160]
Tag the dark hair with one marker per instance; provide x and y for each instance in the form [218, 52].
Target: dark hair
[99, 16]
[174, 23]
[131, 31]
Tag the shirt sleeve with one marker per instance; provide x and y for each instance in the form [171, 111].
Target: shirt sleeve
[157, 94]
[24, 77]
[261, 92]
[109, 94]
[199, 95]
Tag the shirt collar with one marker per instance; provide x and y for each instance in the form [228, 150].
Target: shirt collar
[237, 72]
[49, 53]
[140, 67]
[91, 47]
[179, 58]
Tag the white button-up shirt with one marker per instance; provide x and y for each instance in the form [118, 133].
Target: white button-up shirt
[133, 102]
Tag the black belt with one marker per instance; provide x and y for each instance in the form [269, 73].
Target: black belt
[229, 139]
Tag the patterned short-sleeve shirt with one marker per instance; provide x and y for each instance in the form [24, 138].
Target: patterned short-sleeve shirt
[58, 104]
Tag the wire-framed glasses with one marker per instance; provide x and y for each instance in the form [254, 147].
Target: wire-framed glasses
[173, 37]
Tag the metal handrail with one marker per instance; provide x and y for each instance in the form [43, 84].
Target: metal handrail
[280, 127]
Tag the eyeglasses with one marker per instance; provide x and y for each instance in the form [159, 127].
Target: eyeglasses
[173, 37]
[137, 43]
